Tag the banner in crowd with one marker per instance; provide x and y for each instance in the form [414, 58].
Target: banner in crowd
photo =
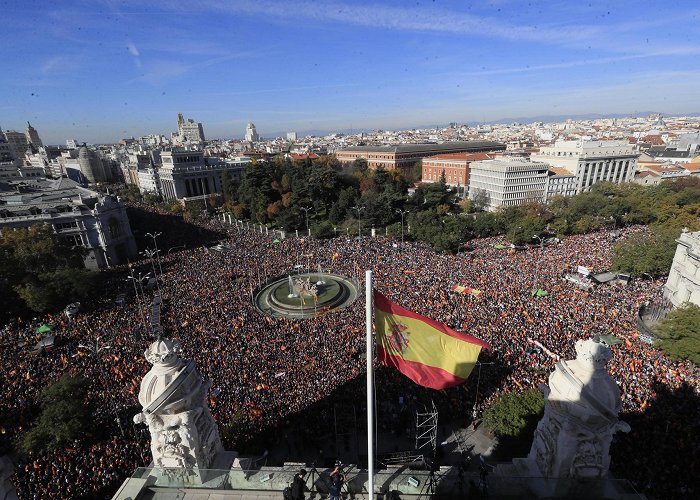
[429, 353]
[466, 290]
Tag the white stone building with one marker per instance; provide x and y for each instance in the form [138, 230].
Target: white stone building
[560, 182]
[683, 284]
[186, 173]
[251, 135]
[189, 131]
[592, 161]
[80, 216]
[508, 181]
[149, 180]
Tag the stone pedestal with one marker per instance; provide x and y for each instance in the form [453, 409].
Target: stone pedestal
[184, 436]
[582, 403]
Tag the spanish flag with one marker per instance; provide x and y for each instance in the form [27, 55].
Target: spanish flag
[429, 353]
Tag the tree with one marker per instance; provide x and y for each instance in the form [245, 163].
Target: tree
[512, 413]
[679, 333]
[646, 253]
[64, 415]
[480, 200]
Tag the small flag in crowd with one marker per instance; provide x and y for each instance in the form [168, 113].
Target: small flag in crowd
[465, 290]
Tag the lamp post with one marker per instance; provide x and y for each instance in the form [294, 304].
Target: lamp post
[95, 353]
[402, 212]
[155, 244]
[306, 210]
[132, 276]
[150, 253]
[476, 396]
[359, 219]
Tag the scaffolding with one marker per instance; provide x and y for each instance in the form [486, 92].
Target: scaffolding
[426, 430]
[346, 445]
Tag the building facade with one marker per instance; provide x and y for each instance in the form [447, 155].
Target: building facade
[560, 182]
[18, 142]
[79, 216]
[508, 181]
[404, 156]
[592, 161]
[186, 173]
[33, 137]
[454, 165]
[683, 284]
[189, 131]
[251, 134]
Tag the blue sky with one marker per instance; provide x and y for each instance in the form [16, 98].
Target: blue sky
[102, 70]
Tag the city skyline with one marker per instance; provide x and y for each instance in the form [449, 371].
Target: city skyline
[100, 71]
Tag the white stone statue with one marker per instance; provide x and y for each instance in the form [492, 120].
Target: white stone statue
[582, 404]
[173, 396]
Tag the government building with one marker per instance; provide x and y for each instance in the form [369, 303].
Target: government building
[404, 156]
[591, 161]
[508, 181]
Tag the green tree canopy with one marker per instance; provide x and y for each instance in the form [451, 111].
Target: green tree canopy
[64, 415]
[679, 333]
[511, 413]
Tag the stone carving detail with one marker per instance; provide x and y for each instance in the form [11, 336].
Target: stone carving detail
[582, 403]
[173, 395]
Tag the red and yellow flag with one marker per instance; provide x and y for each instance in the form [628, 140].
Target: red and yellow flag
[429, 353]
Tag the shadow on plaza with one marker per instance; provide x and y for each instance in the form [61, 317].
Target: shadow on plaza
[660, 454]
[335, 427]
[175, 230]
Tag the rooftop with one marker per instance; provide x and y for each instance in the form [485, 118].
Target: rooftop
[417, 148]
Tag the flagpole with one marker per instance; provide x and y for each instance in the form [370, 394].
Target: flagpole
[370, 385]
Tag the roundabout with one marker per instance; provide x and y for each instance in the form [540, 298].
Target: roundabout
[304, 295]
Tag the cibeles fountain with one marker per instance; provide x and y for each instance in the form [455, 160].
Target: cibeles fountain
[185, 439]
[582, 403]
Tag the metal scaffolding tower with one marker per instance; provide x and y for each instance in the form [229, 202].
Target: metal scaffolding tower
[426, 430]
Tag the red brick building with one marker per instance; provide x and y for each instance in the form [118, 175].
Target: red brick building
[404, 156]
[455, 166]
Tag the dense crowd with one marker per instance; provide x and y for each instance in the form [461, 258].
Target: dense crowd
[265, 371]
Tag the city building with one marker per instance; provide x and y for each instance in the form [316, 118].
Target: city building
[7, 152]
[72, 143]
[187, 173]
[291, 136]
[33, 137]
[683, 284]
[91, 166]
[508, 181]
[149, 180]
[591, 161]
[251, 135]
[653, 174]
[18, 142]
[560, 182]
[454, 165]
[189, 131]
[80, 216]
[404, 156]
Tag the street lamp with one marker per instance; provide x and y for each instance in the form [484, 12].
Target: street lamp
[94, 352]
[306, 209]
[134, 279]
[359, 219]
[155, 244]
[402, 212]
[476, 396]
[150, 253]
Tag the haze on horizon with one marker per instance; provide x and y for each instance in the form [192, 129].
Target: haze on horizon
[102, 70]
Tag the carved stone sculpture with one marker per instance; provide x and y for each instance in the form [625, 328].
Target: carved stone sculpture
[173, 396]
[582, 403]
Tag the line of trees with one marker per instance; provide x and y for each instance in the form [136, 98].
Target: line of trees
[283, 193]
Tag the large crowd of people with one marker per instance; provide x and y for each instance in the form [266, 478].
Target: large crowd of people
[265, 371]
